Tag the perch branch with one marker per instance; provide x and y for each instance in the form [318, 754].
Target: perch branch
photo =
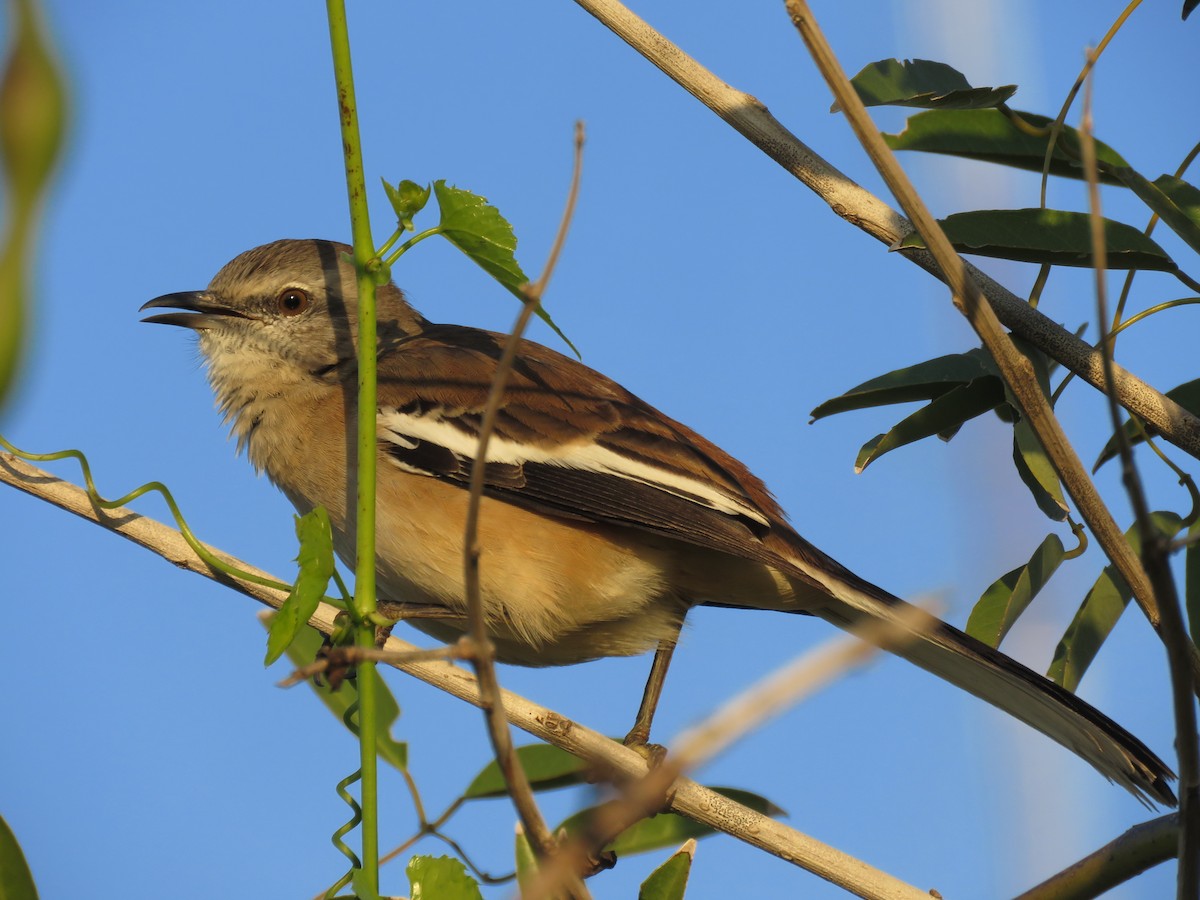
[692, 800]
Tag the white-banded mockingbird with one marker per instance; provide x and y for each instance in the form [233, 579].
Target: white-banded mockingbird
[603, 520]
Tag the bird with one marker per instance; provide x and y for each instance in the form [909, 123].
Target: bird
[603, 520]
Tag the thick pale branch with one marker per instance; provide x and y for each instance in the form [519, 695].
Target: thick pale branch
[863, 209]
[690, 799]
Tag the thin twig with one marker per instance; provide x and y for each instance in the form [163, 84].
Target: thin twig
[689, 799]
[350, 655]
[1013, 365]
[426, 827]
[483, 658]
[1088, 64]
[1119, 323]
[864, 210]
[1155, 549]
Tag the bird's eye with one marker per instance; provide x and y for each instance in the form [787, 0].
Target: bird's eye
[292, 302]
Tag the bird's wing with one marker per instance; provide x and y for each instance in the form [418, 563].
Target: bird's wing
[567, 442]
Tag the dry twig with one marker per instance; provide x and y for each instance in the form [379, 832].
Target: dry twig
[1155, 556]
[483, 652]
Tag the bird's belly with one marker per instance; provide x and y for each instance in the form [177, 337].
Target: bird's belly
[553, 592]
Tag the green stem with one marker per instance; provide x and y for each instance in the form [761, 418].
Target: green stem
[396, 235]
[364, 601]
[412, 242]
[184, 529]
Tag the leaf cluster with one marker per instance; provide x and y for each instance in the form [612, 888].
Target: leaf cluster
[978, 124]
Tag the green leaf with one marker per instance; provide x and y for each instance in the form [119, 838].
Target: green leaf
[527, 864]
[303, 651]
[476, 228]
[363, 883]
[1175, 201]
[407, 198]
[1036, 472]
[1009, 596]
[1184, 195]
[669, 881]
[1029, 456]
[1054, 236]
[989, 135]
[546, 766]
[1099, 612]
[16, 881]
[942, 416]
[923, 381]
[440, 878]
[1191, 574]
[32, 122]
[923, 83]
[668, 829]
[316, 568]
[1186, 395]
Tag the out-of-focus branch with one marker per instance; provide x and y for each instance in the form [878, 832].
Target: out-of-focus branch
[790, 684]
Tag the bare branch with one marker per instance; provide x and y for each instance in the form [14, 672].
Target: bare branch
[343, 657]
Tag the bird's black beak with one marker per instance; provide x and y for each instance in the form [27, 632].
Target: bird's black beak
[201, 310]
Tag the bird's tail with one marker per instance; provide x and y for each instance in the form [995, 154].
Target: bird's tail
[849, 602]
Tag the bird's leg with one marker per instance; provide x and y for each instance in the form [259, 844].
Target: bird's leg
[391, 613]
[639, 735]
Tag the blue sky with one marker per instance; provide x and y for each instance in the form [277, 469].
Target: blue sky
[148, 751]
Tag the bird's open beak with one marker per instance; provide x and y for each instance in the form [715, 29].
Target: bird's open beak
[200, 310]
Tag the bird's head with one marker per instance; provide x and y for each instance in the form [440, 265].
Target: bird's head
[289, 308]
[278, 326]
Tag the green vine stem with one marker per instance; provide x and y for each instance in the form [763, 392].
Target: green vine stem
[410, 243]
[348, 718]
[1089, 63]
[364, 602]
[184, 529]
